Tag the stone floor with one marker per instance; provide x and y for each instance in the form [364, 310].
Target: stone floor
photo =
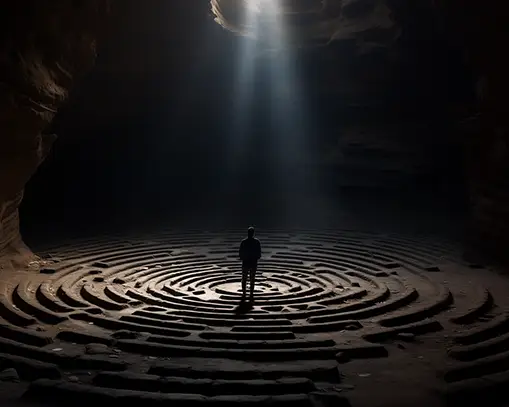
[339, 318]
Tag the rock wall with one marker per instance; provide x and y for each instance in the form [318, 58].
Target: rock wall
[481, 29]
[43, 49]
[309, 22]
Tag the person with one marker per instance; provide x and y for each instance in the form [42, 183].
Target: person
[250, 252]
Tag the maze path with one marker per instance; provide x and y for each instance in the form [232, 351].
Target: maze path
[175, 295]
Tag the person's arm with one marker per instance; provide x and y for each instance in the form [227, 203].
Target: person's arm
[259, 250]
[241, 250]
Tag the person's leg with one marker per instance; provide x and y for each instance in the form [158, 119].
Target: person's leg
[252, 275]
[244, 281]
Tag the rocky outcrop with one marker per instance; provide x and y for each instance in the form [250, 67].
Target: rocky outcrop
[43, 50]
[308, 22]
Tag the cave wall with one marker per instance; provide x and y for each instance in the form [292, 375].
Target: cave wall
[481, 30]
[43, 50]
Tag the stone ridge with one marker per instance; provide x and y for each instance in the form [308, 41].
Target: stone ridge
[43, 52]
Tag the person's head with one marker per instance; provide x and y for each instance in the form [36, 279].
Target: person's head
[250, 231]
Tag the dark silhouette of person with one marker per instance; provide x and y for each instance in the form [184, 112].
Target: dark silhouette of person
[250, 252]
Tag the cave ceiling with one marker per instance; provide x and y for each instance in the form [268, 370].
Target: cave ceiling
[310, 22]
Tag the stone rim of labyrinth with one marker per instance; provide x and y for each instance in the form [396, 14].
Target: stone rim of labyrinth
[126, 316]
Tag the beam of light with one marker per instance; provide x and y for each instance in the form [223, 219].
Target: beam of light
[268, 49]
[288, 115]
[242, 106]
[295, 165]
[243, 86]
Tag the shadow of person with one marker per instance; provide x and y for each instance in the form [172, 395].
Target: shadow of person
[243, 307]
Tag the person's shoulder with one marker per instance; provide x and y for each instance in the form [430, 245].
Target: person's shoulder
[256, 239]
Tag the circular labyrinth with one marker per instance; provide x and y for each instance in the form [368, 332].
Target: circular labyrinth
[144, 315]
